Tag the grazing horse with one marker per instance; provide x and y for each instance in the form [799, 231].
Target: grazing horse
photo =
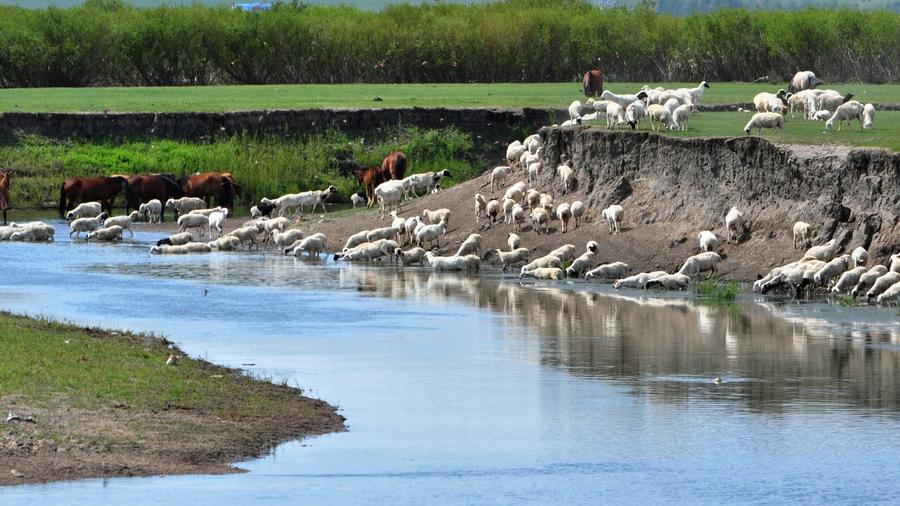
[4, 193]
[394, 166]
[142, 189]
[76, 190]
[593, 83]
[370, 178]
[208, 185]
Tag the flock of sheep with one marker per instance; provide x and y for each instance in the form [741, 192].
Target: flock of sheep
[673, 108]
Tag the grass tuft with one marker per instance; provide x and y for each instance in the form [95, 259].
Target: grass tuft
[718, 291]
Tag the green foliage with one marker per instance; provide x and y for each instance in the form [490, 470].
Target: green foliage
[110, 42]
[265, 166]
[845, 301]
[717, 291]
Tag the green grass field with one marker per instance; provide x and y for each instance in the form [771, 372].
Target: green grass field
[229, 98]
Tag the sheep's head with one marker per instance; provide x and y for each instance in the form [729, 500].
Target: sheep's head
[704, 84]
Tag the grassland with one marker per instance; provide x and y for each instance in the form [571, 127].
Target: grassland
[106, 403]
[306, 96]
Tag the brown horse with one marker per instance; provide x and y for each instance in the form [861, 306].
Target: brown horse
[76, 190]
[593, 83]
[142, 189]
[4, 193]
[370, 178]
[394, 166]
[208, 185]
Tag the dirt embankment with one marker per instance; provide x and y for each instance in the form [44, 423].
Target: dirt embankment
[672, 189]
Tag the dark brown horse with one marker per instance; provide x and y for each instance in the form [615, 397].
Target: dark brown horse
[142, 189]
[369, 178]
[4, 193]
[593, 83]
[76, 190]
[394, 166]
[208, 185]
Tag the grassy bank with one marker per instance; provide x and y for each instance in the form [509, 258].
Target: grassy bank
[265, 166]
[106, 404]
[306, 96]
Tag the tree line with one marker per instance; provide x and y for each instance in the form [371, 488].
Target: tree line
[109, 43]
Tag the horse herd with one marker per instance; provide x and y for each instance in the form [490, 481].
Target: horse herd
[141, 189]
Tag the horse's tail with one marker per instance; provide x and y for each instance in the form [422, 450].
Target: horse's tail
[227, 195]
[62, 200]
[126, 192]
[401, 166]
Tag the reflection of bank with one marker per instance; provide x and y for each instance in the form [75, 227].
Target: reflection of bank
[671, 348]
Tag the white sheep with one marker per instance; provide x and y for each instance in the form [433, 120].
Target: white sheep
[534, 169]
[614, 270]
[498, 176]
[868, 279]
[621, 100]
[532, 198]
[152, 210]
[881, 284]
[436, 216]
[356, 239]
[516, 192]
[675, 281]
[566, 175]
[207, 212]
[532, 143]
[540, 217]
[696, 93]
[410, 256]
[225, 243]
[804, 80]
[735, 224]
[480, 207]
[545, 261]
[701, 263]
[614, 215]
[389, 193]
[507, 204]
[567, 251]
[577, 208]
[615, 115]
[85, 210]
[681, 115]
[493, 210]
[514, 151]
[120, 221]
[859, 256]
[660, 116]
[107, 234]
[453, 263]
[576, 109]
[822, 115]
[410, 228]
[509, 258]
[216, 220]
[513, 241]
[357, 199]
[176, 239]
[32, 232]
[708, 240]
[430, 233]
[543, 273]
[634, 113]
[546, 201]
[831, 270]
[381, 233]
[762, 120]
[848, 280]
[891, 294]
[824, 252]
[895, 262]
[801, 234]
[832, 100]
[770, 102]
[181, 249]
[86, 225]
[472, 244]
[186, 221]
[583, 263]
[185, 205]
[671, 105]
[312, 246]
[563, 214]
[638, 280]
[846, 111]
[248, 235]
[286, 238]
[868, 116]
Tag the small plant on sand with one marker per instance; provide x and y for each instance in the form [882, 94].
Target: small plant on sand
[845, 301]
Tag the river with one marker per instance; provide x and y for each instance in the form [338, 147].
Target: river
[485, 390]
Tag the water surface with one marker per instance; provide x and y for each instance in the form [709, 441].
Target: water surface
[484, 390]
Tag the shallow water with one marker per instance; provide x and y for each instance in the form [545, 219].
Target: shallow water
[485, 390]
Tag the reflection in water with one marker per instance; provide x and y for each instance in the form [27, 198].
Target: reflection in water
[671, 347]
